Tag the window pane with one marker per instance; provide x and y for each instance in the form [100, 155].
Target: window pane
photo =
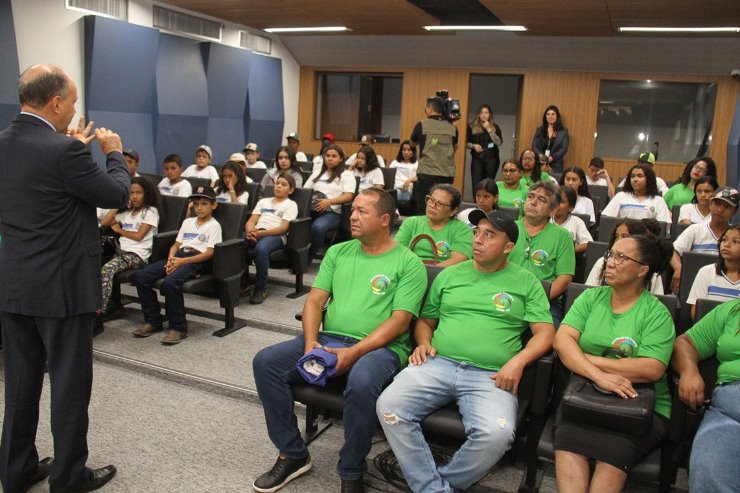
[673, 120]
[351, 105]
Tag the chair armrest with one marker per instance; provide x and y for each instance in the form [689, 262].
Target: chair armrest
[162, 242]
[542, 383]
[228, 259]
[299, 234]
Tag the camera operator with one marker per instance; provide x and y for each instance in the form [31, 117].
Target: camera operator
[437, 140]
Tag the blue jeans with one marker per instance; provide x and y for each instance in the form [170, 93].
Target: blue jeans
[488, 413]
[274, 372]
[260, 253]
[556, 311]
[714, 454]
[320, 226]
[171, 289]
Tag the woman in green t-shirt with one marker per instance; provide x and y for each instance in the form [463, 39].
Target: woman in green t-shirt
[621, 316]
[713, 465]
[453, 239]
[683, 191]
[529, 163]
[511, 193]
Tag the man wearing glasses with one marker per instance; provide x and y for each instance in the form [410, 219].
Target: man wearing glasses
[544, 248]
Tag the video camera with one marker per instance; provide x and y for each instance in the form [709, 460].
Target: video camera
[451, 106]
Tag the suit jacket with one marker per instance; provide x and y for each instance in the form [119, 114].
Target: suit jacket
[49, 188]
[559, 146]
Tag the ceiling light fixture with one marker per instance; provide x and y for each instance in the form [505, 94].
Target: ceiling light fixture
[326, 29]
[679, 29]
[476, 28]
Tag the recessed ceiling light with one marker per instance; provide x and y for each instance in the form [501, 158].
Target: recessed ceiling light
[326, 29]
[680, 29]
[475, 28]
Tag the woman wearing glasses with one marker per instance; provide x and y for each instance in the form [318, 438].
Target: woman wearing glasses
[625, 317]
[453, 238]
[683, 192]
[511, 191]
[529, 163]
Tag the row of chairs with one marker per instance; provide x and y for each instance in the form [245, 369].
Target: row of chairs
[535, 416]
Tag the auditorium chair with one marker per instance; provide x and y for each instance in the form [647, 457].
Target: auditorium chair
[256, 174]
[656, 467]
[594, 253]
[600, 193]
[691, 262]
[608, 223]
[198, 182]
[389, 180]
[295, 253]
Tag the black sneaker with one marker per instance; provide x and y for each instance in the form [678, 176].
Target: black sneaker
[353, 486]
[283, 472]
[258, 296]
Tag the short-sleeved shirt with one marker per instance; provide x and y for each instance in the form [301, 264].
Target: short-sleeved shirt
[404, 171]
[132, 221]
[345, 182]
[717, 333]
[351, 160]
[625, 204]
[646, 330]
[693, 214]
[547, 255]
[527, 181]
[600, 181]
[585, 205]
[193, 171]
[577, 229]
[678, 194]
[370, 179]
[225, 196]
[257, 165]
[712, 286]
[367, 289]
[272, 175]
[456, 236]
[512, 198]
[272, 214]
[697, 238]
[482, 314]
[199, 237]
[180, 189]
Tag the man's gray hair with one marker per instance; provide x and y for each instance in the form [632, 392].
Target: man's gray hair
[552, 189]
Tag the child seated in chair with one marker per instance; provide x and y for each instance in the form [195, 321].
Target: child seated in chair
[189, 256]
[266, 230]
[173, 183]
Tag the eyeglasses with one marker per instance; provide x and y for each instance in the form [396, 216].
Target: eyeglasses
[510, 171]
[528, 158]
[436, 203]
[700, 169]
[619, 258]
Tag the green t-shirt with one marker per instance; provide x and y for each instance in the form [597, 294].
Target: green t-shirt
[512, 198]
[646, 330]
[547, 255]
[366, 289]
[678, 194]
[526, 181]
[456, 236]
[718, 333]
[482, 314]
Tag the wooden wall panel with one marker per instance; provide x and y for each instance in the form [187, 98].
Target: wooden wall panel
[575, 93]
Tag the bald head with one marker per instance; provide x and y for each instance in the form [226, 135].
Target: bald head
[39, 84]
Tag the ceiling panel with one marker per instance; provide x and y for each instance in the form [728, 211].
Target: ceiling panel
[561, 18]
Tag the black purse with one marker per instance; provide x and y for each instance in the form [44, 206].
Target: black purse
[586, 403]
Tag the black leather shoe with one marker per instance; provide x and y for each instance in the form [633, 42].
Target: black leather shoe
[42, 472]
[353, 486]
[98, 477]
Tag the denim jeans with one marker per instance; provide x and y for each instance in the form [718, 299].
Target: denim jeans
[321, 224]
[171, 289]
[274, 372]
[488, 413]
[714, 455]
[260, 253]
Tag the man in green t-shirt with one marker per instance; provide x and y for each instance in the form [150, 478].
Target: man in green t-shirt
[469, 351]
[544, 248]
[373, 288]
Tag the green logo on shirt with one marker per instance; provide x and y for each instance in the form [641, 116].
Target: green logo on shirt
[502, 301]
[443, 249]
[539, 257]
[627, 345]
[379, 284]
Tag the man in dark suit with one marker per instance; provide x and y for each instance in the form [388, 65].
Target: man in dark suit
[50, 271]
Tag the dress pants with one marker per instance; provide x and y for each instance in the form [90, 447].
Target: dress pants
[65, 344]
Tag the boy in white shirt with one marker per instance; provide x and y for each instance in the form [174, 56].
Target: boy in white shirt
[293, 142]
[252, 153]
[266, 231]
[202, 167]
[189, 256]
[173, 182]
[598, 175]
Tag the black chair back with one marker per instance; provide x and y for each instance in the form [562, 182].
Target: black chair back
[173, 214]
[302, 198]
[584, 217]
[389, 178]
[513, 212]
[256, 174]
[232, 218]
[691, 262]
[305, 165]
[680, 228]
[594, 253]
[254, 195]
[198, 182]
[606, 227]
[600, 192]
